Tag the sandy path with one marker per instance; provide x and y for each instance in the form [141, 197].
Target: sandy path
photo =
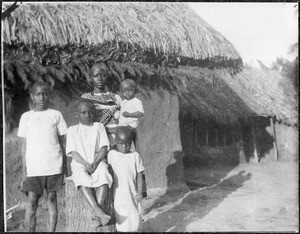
[251, 197]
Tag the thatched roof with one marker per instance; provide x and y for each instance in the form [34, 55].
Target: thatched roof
[266, 92]
[171, 28]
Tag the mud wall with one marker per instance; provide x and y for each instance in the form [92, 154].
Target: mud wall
[287, 142]
[159, 141]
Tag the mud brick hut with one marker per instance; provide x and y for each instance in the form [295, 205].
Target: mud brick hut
[171, 52]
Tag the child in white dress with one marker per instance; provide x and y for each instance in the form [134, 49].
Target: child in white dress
[87, 144]
[127, 187]
[131, 107]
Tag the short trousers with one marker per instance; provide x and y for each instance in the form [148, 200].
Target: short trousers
[37, 184]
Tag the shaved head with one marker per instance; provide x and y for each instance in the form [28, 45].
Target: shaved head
[128, 82]
[84, 102]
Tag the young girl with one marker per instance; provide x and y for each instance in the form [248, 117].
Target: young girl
[87, 144]
[128, 168]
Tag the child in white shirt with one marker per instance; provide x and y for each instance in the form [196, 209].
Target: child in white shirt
[87, 144]
[131, 107]
[127, 187]
[41, 130]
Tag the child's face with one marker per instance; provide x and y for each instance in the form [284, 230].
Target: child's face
[99, 78]
[85, 113]
[123, 147]
[40, 98]
[128, 91]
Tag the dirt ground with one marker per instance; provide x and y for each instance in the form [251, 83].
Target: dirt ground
[249, 197]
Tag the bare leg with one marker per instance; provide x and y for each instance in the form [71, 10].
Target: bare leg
[90, 198]
[30, 216]
[52, 207]
[101, 194]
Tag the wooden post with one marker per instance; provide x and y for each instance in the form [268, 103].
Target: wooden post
[195, 135]
[242, 154]
[274, 138]
[254, 141]
[79, 213]
[206, 139]
[224, 137]
[217, 137]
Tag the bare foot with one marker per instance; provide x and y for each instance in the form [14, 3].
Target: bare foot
[104, 218]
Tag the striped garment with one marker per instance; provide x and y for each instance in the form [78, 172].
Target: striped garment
[105, 104]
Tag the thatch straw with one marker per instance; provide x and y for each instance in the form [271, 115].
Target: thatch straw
[201, 92]
[172, 28]
[266, 92]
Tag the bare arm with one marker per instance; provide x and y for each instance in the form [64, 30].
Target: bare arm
[136, 114]
[77, 157]
[62, 143]
[23, 150]
[139, 195]
[99, 157]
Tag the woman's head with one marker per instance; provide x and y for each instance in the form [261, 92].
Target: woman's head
[99, 75]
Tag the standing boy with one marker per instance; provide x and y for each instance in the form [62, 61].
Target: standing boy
[41, 130]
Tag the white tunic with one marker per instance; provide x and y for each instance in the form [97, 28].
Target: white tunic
[130, 106]
[86, 140]
[125, 167]
[43, 152]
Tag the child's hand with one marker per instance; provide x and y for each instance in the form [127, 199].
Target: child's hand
[139, 197]
[126, 114]
[92, 168]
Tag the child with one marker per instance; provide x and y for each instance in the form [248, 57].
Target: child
[131, 107]
[131, 110]
[87, 144]
[41, 130]
[128, 168]
[106, 103]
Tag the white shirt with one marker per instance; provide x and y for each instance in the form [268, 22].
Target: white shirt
[125, 167]
[43, 152]
[86, 140]
[130, 106]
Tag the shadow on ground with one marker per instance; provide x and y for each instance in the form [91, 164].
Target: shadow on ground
[194, 206]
